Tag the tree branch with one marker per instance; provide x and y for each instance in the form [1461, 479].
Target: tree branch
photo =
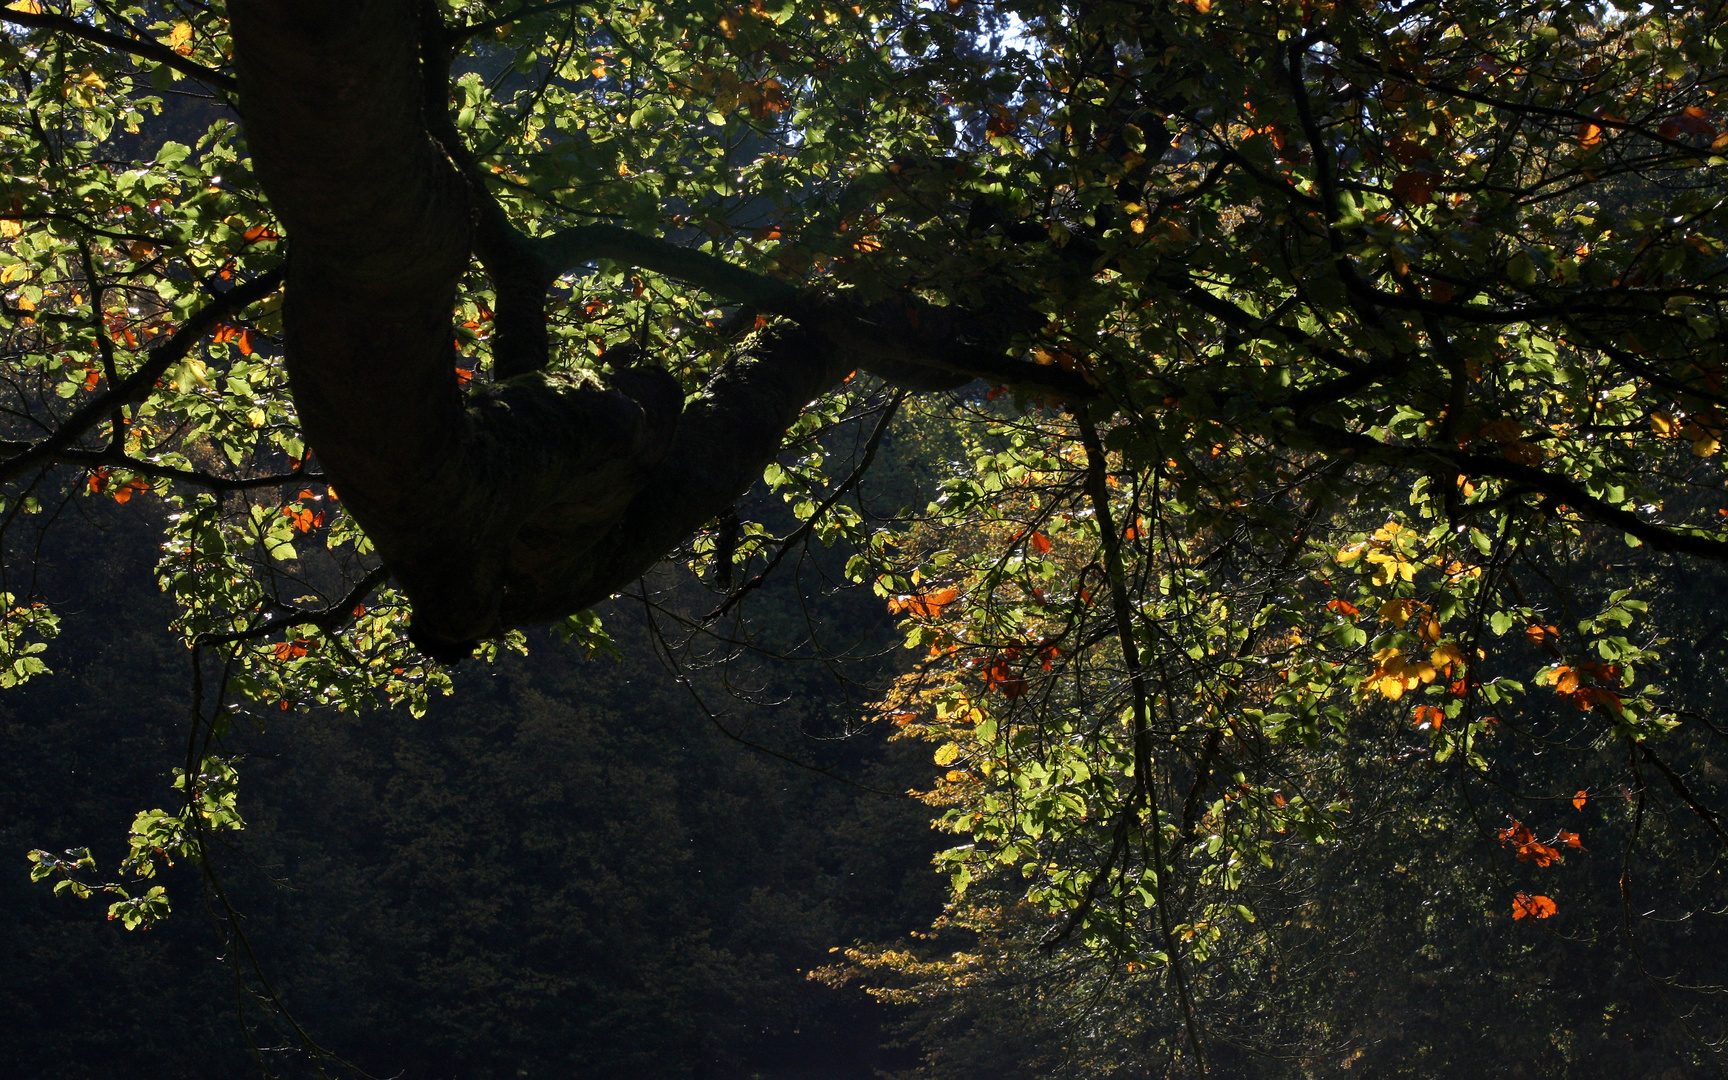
[895, 336]
[115, 459]
[144, 47]
[809, 525]
[137, 386]
[1660, 537]
[326, 619]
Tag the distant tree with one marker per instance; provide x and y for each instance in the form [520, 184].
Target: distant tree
[1326, 345]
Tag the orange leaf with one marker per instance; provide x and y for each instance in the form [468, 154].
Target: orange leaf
[288, 650]
[999, 676]
[1539, 634]
[927, 606]
[1342, 607]
[1536, 907]
[1040, 543]
[1570, 839]
[1580, 799]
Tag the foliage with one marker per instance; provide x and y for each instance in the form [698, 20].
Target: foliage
[1376, 408]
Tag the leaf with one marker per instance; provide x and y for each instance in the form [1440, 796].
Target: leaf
[1535, 907]
[180, 38]
[289, 650]
[1040, 543]
[1521, 269]
[927, 606]
[1415, 187]
[1580, 799]
[1537, 634]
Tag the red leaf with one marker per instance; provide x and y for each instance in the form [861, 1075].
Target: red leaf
[999, 676]
[1415, 187]
[1040, 543]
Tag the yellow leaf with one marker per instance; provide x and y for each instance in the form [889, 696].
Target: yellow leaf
[9, 227]
[28, 7]
[180, 38]
[1664, 425]
[1397, 612]
[15, 272]
[1446, 655]
[947, 753]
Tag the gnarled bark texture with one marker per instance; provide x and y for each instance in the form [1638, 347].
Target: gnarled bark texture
[538, 495]
[534, 497]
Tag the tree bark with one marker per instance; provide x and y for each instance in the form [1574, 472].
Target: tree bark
[534, 497]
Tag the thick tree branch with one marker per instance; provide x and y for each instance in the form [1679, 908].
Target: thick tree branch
[893, 340]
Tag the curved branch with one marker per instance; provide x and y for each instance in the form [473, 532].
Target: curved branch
[137, 386]
[1661, 537]
[115, 459]
[144, 47]
[897, 336]
[326, 619]
[809, 524]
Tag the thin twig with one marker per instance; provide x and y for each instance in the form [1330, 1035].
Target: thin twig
[804, 530]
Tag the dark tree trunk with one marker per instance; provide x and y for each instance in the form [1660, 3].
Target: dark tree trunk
[540, 494]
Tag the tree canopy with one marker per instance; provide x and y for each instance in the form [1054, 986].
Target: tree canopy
[1326, 402]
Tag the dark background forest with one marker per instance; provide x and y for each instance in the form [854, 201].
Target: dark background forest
[565, 869]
